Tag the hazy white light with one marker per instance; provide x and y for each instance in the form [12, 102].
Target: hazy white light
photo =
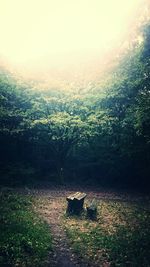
[38, 30]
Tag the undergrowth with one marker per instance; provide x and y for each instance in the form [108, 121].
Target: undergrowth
[24, 239]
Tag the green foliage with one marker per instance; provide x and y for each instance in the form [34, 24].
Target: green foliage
[24, 239]
[100, 133]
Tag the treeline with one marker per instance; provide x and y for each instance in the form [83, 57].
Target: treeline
[100, 134]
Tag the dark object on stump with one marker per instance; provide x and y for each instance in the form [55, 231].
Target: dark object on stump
[92, 211]
[75, 203]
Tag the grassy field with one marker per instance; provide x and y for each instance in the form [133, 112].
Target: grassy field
[24, 239]
[120, 236]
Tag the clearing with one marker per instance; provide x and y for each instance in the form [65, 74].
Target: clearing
[120, 236]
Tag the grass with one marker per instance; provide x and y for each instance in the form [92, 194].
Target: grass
[120, 237]
[24, 239]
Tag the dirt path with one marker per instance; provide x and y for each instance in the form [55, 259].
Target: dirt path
[52, 208]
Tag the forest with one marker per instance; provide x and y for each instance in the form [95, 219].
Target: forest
[99, 133]
[74, 142]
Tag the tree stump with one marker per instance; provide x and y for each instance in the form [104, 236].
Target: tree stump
[75, 203]
[92, 211]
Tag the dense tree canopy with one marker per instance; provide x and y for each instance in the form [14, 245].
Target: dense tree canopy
[98, 134]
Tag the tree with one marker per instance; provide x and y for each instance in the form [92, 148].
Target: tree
[62, 132]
